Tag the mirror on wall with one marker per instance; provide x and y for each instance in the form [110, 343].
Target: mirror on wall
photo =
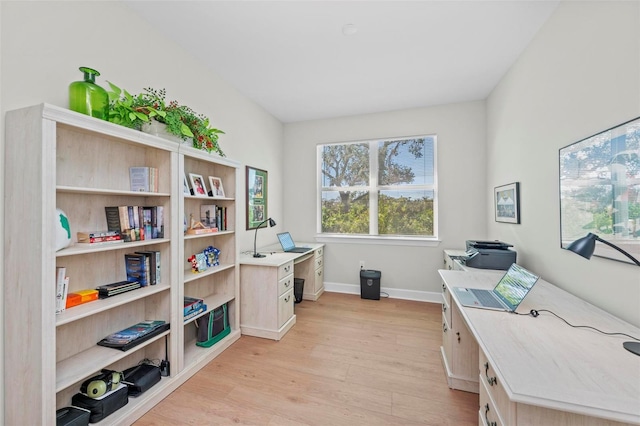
[600, 190]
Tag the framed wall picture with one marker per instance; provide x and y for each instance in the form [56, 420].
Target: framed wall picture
[217, 190]
[198, 185]
[256, 180]
[507, 203]
[600, 190]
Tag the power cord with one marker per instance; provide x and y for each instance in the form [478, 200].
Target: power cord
[535, 313]
[385, 295]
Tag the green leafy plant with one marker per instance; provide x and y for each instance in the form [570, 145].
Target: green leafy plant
[133, 111]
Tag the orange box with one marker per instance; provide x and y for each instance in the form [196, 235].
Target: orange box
[80, 297]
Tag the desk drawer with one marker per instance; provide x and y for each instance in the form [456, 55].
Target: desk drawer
[446, 304]
[319, 252]
[285, 284]
[488, 415]
[285, 307]
[494, 388]
[318, 262]
[284, 270]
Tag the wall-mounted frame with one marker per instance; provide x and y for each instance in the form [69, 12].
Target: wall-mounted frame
[600, 190]
[507, 203]
[256, 180]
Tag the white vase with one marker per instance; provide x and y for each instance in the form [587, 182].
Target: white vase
[159, 129]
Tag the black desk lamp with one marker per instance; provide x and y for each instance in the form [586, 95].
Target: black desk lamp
[271, 223]
[585, 247]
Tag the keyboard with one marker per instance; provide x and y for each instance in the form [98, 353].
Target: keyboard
[486, 298]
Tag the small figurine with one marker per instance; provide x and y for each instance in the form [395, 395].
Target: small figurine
[194, 263]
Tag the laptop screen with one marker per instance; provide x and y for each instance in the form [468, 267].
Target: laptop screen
[286, 241]
[514, 285]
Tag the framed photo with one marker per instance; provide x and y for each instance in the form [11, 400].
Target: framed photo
[507, 203]
[600, 190]
[217, 191]
[256, 180]
[185, 185]
[198, 185]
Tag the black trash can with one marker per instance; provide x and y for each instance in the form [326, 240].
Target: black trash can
[370, 284]
[298, 289]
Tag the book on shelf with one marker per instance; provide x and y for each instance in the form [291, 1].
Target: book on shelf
[143, 179]
[62, 288]
[134, 335]
[192, 304]
[79, 297]
[137, 268]
[99, 237]
[112, 289]
[151, 264]
[202, 308]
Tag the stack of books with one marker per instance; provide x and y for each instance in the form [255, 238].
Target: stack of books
[193, 306]
[109, 290]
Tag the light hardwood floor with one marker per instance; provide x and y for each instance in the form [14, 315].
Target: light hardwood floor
[347, 361]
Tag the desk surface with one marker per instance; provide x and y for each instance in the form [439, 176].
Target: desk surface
[544, 362]
[274, 256]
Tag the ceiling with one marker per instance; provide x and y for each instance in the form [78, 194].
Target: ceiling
[292, 58]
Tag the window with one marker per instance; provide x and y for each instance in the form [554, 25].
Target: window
[383, 188]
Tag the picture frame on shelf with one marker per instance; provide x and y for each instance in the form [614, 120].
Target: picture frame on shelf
[185, 185]
[257, 183]
[198, 185]
[217, 190]
[507, 203]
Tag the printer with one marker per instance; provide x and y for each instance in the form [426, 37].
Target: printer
[489, 255]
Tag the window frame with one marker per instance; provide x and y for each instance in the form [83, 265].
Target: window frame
[374, 189]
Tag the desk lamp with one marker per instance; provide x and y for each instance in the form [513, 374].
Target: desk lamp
[585, 247]
[271, 223]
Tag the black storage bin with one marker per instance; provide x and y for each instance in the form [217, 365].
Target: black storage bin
[370, 284]
[298, 289]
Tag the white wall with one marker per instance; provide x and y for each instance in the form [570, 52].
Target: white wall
[461, 183]
[44, 43]
[580, 75]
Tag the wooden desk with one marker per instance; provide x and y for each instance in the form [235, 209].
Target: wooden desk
[267, 285]
[535, 371]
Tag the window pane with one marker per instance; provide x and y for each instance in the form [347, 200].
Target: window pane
[345, 212]
[345, 165]
[403, 162]
[405, 213]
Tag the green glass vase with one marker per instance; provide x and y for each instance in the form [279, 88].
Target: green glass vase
[87, 97]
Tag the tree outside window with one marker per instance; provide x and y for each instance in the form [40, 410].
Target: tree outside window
[380, 188]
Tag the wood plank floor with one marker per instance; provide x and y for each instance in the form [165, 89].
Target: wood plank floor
[347, 361]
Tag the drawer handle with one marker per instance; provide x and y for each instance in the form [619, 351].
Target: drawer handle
[444, 328]
[492, 380]
[444, 288]
[320, 263]
[319, 273]
[287, 268]
[444, 308]
[458, 334]
[286, 299]
[287, 283]
[486, 411]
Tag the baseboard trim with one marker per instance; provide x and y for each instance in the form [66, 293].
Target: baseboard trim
[394, 293]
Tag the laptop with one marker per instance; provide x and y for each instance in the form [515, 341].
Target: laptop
[288, 246]
[510, 291]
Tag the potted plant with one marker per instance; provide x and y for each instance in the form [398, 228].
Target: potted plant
[151, 107]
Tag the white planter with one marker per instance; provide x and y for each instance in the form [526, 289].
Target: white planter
[156, 128]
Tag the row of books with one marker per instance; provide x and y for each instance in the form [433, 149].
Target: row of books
[142, 269]
[143, 179]
[136, 223]
[214, 216]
